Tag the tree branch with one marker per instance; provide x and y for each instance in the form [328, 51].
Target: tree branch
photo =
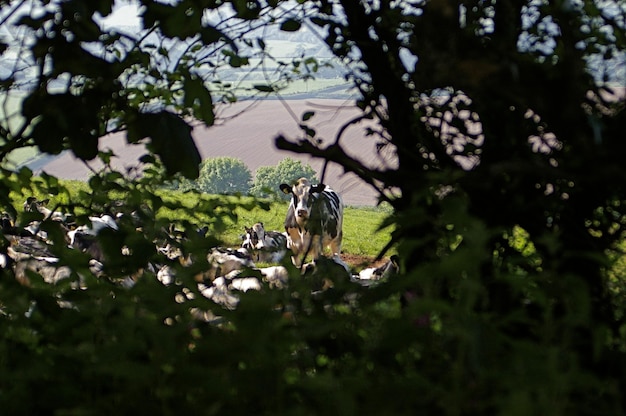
[335, 153]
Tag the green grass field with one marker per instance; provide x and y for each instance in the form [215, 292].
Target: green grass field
[360, 227]
[361, 236]
[228, 215]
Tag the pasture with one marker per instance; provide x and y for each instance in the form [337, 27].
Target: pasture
[226, 216]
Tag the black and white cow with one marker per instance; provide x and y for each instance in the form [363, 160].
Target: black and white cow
[8, 228]
[314, 220]
[32, 204]
[265, 246]
[373, 275]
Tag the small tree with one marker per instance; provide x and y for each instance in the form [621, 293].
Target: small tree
[224, 175]
[268, 178]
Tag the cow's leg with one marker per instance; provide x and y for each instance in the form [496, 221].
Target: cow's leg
[317, 247]
[301, 250]
[335, 244]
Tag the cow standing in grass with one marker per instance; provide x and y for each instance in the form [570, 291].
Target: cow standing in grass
[314, 220]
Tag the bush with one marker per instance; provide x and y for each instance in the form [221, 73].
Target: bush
[220, 175]
[268, 178]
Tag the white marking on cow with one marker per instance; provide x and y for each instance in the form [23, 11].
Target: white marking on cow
[245, 283]
[96, 225]
[5, 261]
[371, 275]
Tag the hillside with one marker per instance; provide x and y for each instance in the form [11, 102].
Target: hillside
[246, 130]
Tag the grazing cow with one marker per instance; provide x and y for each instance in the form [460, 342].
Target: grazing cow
[225, 260]
[222, 289]
[96, 224]
[47, 267]
[6, 221]
[314, 220]
[84, 237]
[325, 271]
[8, 227]
[265, 246]
[34, 205]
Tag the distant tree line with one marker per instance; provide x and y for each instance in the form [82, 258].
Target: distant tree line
[230, 175]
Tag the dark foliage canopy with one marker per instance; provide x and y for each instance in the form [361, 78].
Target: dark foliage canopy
[508, 197]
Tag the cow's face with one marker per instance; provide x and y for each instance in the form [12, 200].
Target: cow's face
[303, 195]
[6, 221]
[253, 236]
[249, 239]
[32, 204]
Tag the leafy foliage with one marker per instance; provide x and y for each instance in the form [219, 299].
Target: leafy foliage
[221, 175]
[507, 193]
[288, 170]
[224, 175]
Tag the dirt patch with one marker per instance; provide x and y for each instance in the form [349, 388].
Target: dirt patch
[359, 262]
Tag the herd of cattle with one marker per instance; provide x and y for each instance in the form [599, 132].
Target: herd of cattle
[313, 223]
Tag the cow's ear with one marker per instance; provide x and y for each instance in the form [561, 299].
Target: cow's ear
[318, 188]
[30, 200]
[285, 188]
[45, 201]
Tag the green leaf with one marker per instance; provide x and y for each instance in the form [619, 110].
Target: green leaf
[246, 9]
[308, 131]
[308, 115]
[237, 61]
[211, 35]
[85, 147]
[264, 88]
[177, 21]
[170, 139]
[290, 25]
[56, 129]
[198, 97]
[312, 64]
[44, 136]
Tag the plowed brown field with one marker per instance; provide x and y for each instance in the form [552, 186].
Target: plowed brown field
[246, 130]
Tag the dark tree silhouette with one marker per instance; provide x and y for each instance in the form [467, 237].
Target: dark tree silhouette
[508, 197]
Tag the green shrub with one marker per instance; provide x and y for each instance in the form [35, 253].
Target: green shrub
[268, 178]
[220, 175]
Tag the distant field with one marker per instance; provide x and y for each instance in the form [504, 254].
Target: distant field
[10, 107]
[246, 131]
[317, 88]
[11, 119]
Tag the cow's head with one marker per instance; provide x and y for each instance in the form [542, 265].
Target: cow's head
[303, 196]
[32, 204]
[6, 220]
[253, 236]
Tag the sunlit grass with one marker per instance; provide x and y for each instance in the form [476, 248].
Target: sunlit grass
[228, 215]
